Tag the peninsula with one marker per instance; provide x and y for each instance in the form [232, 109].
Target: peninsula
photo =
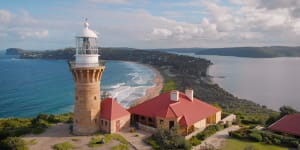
[178, 72]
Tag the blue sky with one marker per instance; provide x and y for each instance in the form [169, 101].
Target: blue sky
[44, 24]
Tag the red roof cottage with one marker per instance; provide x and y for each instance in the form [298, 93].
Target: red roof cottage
[289, 124]
[176, 108]
[113, 116]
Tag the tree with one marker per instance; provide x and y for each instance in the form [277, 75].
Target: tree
[286, 110]
[170, 139]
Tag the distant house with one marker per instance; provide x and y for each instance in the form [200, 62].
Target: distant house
[176, 109]
[113, 117]
[289, 124]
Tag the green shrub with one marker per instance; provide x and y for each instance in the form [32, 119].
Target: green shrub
[255, 136]
[194, 141]
[208, 131]
[265, 137]
[152, 143]
[63, 146]
[169, 139]
[13, 143]
[97, 141]
[250, 121]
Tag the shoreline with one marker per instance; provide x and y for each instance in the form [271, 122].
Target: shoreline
[154, 90]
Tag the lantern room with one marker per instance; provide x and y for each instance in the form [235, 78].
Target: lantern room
[87, 48]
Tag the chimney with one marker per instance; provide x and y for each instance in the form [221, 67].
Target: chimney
[175, 95]
[190, 94]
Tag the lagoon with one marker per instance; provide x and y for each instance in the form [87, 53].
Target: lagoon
[272, 82]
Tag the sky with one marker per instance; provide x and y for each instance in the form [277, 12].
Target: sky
[53, 24]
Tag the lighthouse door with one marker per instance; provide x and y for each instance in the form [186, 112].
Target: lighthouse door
[118, 125]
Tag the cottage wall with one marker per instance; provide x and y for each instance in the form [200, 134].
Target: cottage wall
[124, 123]
[200, 124]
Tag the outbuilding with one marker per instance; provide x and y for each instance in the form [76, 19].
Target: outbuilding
[113, 116]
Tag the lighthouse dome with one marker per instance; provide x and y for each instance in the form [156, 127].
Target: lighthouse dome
[86, 32]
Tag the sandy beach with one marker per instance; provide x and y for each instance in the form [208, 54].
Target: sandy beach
[154, 90]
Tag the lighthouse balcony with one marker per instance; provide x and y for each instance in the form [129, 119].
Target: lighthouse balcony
[74, 64]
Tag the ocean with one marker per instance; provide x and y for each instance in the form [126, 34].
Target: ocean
[32, 86]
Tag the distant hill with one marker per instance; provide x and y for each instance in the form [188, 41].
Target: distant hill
[180, 50]
[255, 52]
[14, 51]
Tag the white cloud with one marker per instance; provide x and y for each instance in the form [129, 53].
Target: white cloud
[243, 25]
[20, 26]
[33, 34]
[161, 33]
[247, 23]
[5, 17]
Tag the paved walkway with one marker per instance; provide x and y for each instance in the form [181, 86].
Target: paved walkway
[217, 140]
[136, 139]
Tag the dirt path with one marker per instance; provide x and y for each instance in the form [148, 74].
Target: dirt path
[218, 139]
[60, 133]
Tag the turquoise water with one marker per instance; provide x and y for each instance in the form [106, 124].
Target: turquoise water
[29, 87]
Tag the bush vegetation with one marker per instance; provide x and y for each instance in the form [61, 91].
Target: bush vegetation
[194, 141]
[164, 139]
[13, 143]
[265, 137]
[15, 127]
[208, 131]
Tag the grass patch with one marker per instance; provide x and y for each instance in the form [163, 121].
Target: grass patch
[120, 147]
[119, 138]
[233, 144]
[63, 146]
[169, 86]
[97, 141]
[101, 140]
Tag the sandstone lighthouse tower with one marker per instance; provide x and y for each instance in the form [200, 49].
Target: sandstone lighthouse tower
[87, 72]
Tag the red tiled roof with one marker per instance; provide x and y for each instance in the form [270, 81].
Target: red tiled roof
[163, 106]
[111, 109]
[288, 124]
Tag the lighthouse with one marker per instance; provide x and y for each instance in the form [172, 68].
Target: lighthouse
[87, 72]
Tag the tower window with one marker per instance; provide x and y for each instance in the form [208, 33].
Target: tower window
[101, 122]
[95, 97]
[76, 98]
